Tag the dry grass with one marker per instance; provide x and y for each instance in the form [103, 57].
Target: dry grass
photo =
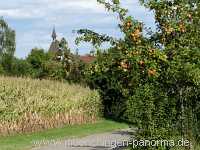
[28, 105]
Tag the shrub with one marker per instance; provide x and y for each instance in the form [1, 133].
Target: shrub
[37, 57]
[21, 67]
[53, 70]
[1, 69]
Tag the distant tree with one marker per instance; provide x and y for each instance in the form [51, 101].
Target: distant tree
[52, 69]
[21, 67]
[65, 54]
[7, 45]
[37, 57]
[71, 62]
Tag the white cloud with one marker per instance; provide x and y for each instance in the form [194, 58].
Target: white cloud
[33, 19]
[89, 5]
[14, 13]
[20, 13]
[44, 8]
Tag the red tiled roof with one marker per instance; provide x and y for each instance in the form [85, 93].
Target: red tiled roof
[87, 58]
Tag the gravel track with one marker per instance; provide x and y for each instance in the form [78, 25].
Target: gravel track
[104, 141]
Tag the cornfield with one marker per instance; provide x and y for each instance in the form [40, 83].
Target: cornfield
[28, 105]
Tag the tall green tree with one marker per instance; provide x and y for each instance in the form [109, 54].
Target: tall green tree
[72, 66]
[7, 45]
[37, 58]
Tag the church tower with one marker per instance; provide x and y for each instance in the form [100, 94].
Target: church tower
[54, 36]
[54, 47]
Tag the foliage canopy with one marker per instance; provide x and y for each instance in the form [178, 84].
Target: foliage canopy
[153, 82]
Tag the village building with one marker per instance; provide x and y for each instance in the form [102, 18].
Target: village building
[54, 47]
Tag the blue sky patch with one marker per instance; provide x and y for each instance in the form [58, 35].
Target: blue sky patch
[33, 21]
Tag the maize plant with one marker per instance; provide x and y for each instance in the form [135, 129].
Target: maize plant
[28, 105]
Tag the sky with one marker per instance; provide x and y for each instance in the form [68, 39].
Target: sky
[33, 21]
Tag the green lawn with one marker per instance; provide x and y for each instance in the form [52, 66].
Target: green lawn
[24, 142]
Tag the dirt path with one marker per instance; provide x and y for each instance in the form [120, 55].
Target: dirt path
[104, 141]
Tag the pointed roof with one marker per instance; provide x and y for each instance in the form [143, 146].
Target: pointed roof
[54, 34]
[54, 47]
[87, 58]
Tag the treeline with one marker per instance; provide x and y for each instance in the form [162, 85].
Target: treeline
[60, 65]
[48, 65]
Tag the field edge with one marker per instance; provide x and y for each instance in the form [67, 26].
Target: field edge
[25, 141]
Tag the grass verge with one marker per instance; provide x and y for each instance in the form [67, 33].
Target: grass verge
[25, 141]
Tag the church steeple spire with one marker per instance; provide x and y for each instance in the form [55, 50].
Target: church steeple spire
[54, 47]
[54, 34]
